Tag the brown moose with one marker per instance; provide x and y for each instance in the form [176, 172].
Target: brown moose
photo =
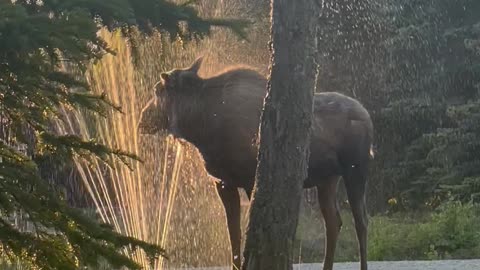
[220, 116]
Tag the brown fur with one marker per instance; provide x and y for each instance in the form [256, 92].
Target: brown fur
[220, 115]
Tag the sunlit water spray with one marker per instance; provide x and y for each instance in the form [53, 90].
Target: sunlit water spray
[167, 198]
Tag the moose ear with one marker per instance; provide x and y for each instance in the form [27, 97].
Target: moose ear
[195, 67]
[164, 77]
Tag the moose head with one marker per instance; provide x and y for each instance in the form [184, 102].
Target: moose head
[160, 113]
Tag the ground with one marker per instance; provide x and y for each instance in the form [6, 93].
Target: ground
[405, 265]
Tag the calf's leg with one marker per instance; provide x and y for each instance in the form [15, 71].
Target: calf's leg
[327, 198]
[231, 202]
[356, 184]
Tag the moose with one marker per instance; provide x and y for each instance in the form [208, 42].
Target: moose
[220, 116]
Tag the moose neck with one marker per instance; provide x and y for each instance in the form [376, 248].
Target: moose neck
[194, 117]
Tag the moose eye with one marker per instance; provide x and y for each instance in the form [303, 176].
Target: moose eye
[158, 88]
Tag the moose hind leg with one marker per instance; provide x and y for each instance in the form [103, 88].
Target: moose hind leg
[231, 202]
[327, 198]
[356, 184]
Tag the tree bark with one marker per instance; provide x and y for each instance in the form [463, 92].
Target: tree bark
[284, 136]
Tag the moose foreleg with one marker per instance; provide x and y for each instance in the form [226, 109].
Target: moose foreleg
[231, 202]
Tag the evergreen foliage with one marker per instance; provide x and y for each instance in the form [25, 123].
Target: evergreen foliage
[415, 65]
[433, 110]
[38, 40]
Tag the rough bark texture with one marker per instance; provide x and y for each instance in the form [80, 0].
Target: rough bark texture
[284, 137]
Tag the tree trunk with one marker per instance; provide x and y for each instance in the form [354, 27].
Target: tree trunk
[284, 136]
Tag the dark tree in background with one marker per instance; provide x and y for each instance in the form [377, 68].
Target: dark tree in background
[430, 125]
[36, 39]
[414, 64]
[352, 58]
[284, 137]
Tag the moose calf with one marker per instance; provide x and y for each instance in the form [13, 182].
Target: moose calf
[220, 116]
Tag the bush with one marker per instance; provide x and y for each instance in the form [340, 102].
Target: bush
[449, 233]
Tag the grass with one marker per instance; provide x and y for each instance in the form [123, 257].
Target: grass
[451, 232]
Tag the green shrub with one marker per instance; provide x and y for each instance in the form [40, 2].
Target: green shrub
[449, 233]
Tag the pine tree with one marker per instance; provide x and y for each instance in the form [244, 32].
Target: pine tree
[434, 97]
[37, 38]
[415, 65]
